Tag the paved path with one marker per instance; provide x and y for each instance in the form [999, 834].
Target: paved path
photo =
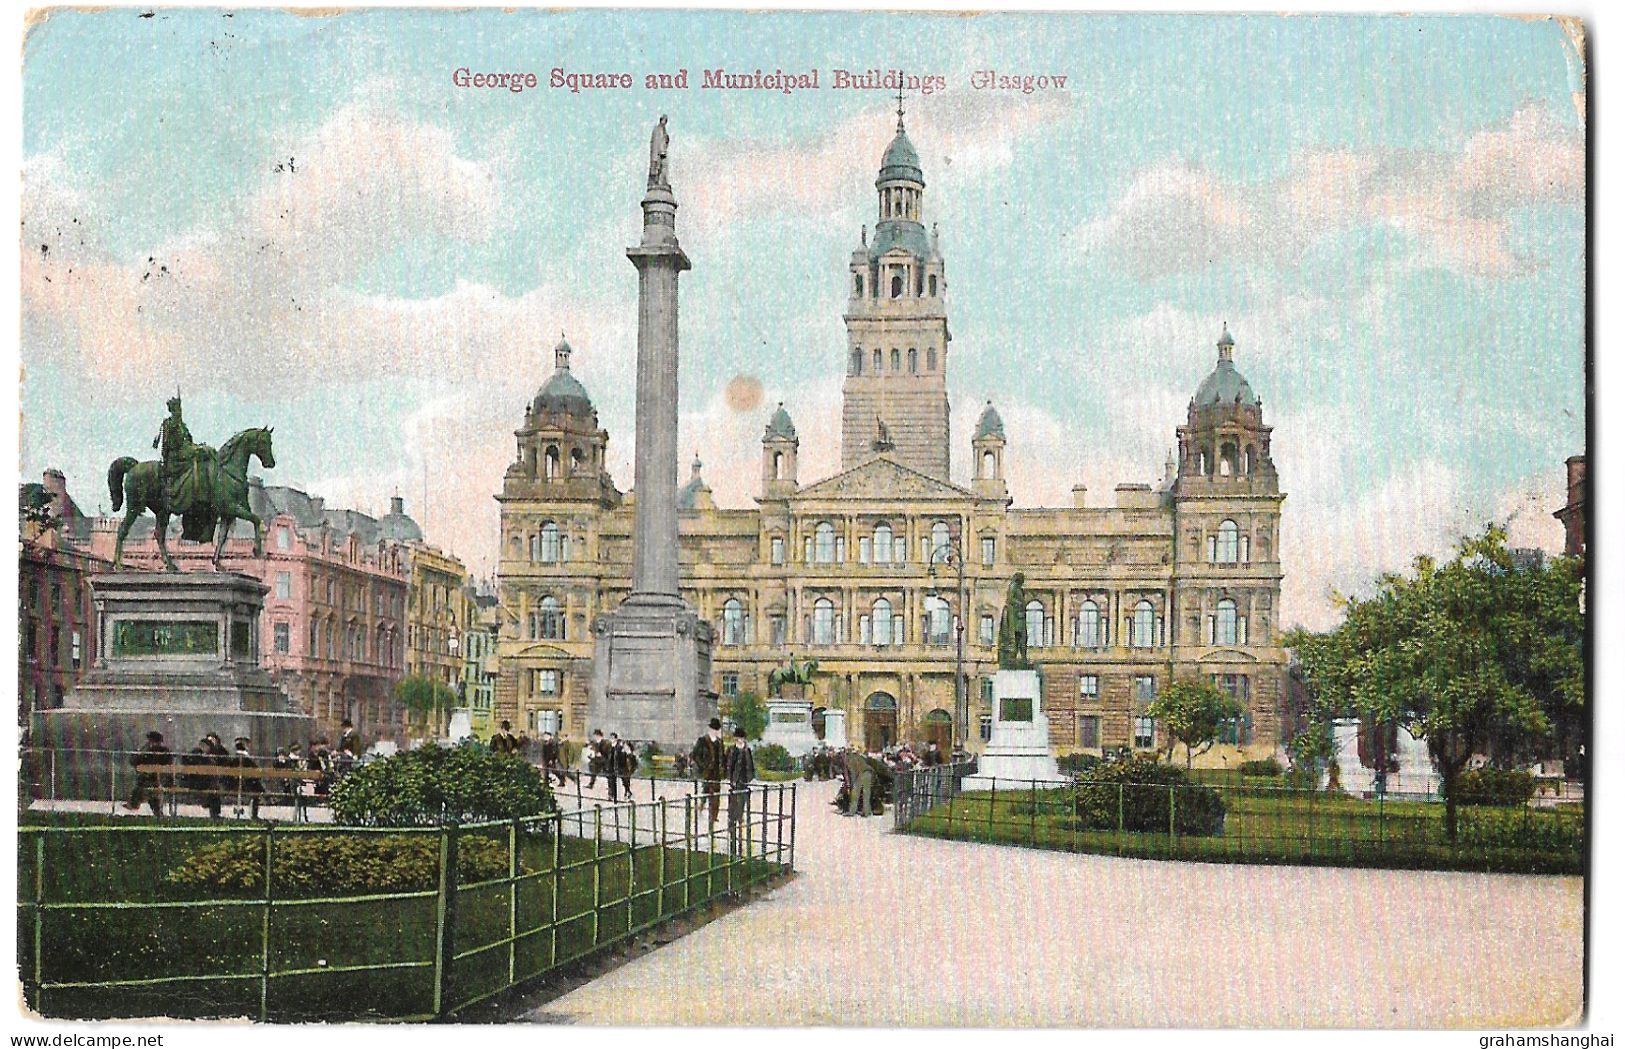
[882, 929]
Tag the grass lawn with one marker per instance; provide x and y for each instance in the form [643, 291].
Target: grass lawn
[1268, 826]
[315, 943]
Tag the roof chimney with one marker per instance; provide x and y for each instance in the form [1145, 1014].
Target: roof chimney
[397, 505]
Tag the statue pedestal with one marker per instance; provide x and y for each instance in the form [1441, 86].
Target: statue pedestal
[834, 728]
[177, 653]
[789, 724]
[1018, 754]
[462, 724]
[651, 674]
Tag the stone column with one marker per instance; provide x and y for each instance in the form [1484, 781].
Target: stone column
[659, 259]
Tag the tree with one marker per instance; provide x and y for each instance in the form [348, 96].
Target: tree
[1480, 654]
[424, 696]
[36, 509]
[747, 712]
[1192, 712]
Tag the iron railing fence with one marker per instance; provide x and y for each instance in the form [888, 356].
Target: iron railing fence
[287, 922]
[1251, 823]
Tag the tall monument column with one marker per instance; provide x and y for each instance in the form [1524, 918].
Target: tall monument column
[651, 675]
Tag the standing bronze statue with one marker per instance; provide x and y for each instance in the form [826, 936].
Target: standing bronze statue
[1013, 627]
[208, 489]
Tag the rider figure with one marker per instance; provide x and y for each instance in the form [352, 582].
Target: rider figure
[180, 457]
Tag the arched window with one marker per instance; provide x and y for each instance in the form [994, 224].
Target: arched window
[824, 543]
[990, 465]
[1035, 624]
[880, 618]
[938, 620]
[576, 462]
[857, 361]
[733, 622]
[1227, 544]
[1227, 460]
[1144, 632]
[939, 540]
[931, 358]
[933, 285]
[1089, 633]
[913, 360]
[550, 464]
[857, 284]
[896, 360]
[883, 544]
[1224, 629]
[897, 286]
[879, 361]
[823, 622]
[1249, 461]
[551, 619]
[1201, 463]
[778, 466]
[550, 542]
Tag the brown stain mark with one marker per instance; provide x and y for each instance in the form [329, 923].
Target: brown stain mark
[743, 393]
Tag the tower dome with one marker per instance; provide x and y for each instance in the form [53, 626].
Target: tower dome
[901, 160]
[989, 425]
[1225, 385]
[780, 425]
[562, 392]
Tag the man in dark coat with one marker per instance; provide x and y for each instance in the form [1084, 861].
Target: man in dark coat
[552, 761]
[861, 777]
[598, 759]
[710, 764]
[504, 741]
[933, 755]
[208, 752]
[741, 773]
[153, 752]
[626, 763]
[349, 738]
[246, 788]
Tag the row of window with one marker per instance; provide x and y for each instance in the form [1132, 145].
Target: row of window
[899, 358]
[355, 642]
[897, 279]
[882, 546]
[29, 642]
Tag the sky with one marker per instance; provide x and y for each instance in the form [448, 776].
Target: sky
[302, 222]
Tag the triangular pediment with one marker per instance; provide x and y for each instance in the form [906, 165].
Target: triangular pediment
[1228, 655]
[882, 478]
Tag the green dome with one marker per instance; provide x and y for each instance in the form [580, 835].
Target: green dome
[562, 392]
[900, 233]
[989, 425]
[902, 161]
[1224, 385]
[780, 425]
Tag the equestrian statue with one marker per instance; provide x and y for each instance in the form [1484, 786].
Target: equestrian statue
[206, 488]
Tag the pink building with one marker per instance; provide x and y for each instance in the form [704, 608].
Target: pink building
[334, 627]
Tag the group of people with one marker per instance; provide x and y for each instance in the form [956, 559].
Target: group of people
[712, 762]
[614, 758]
[323, 766]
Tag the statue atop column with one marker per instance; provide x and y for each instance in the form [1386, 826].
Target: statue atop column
[1013, 627]
[658, 141]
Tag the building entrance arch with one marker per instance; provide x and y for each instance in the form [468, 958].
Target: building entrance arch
[879, 721]
[938, 728]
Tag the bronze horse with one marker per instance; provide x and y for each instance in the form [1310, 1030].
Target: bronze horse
[216, 506]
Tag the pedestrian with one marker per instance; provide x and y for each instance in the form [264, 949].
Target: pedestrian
[504, 741]
[741, 773]
[252, 788]
[861, 777]
[152, 752]
[552, 765]
[349, 738]
[612, 765]
[933, 755]
[626, 758]
[710, 763]
[285, 761]
[596, 749]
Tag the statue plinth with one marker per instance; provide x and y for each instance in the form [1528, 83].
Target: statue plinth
[1018, 753]
[177, 653]
[835, 728]
[651, 674]
[789, 722]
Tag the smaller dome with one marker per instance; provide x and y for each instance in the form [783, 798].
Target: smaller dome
[1225, 385]
[688, 496]
[989, 425]
[397, 525]
[902, 161]
[780, 425]
[1224, 337]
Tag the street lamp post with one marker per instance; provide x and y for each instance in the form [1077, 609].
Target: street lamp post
[953, 553]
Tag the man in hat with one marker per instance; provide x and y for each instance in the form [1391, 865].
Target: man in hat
[153, 752]
[503, 741]
[246, 787]
[551, 763]
[741, 773]
[349, 738]
[597, 753]
[710, 763]
[861, 776]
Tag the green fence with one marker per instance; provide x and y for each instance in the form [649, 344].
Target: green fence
[1242, 822]
[135, 919]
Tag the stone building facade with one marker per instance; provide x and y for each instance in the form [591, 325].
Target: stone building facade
[862, 571]
[55, 607]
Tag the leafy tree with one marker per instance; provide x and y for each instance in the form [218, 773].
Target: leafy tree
[424, 696]
[1192, 712]
[36, 509]
[1476, 655]
[747, 712]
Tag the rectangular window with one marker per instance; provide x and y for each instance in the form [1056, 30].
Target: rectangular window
[989, 548]
[284, 586]
[1089, 731]
[897, 629]
[546, 682]
[75, 648]
[283, 540]
[899, 548]
[986, 727]
[546, 721]
[730, 683]
[987, 630]
[1246, 552]
[54, 657]
[775, 629]
[282, 637]
[776, 544]
[865, 554]
[1088, 688]
[864, 635]
[1145, 733]
[1145, 688]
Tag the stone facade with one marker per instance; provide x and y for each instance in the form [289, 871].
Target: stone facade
[860, 571]
[55, 608]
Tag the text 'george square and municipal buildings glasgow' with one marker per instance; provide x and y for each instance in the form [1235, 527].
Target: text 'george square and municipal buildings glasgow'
[861, 571]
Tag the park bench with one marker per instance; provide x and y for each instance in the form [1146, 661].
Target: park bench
[170, 778]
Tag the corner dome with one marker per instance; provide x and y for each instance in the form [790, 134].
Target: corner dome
[780, 425]
[901, 161]
[1225, 385]
[562, 392]
[989, 425]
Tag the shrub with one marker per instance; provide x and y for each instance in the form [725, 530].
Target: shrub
[1487, 786]
[774, 758]
[439, 784]
[1078, 764]
[650, 751]
[1145, 786]
[316, 865]
[1266, 767]
[1521, 829]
